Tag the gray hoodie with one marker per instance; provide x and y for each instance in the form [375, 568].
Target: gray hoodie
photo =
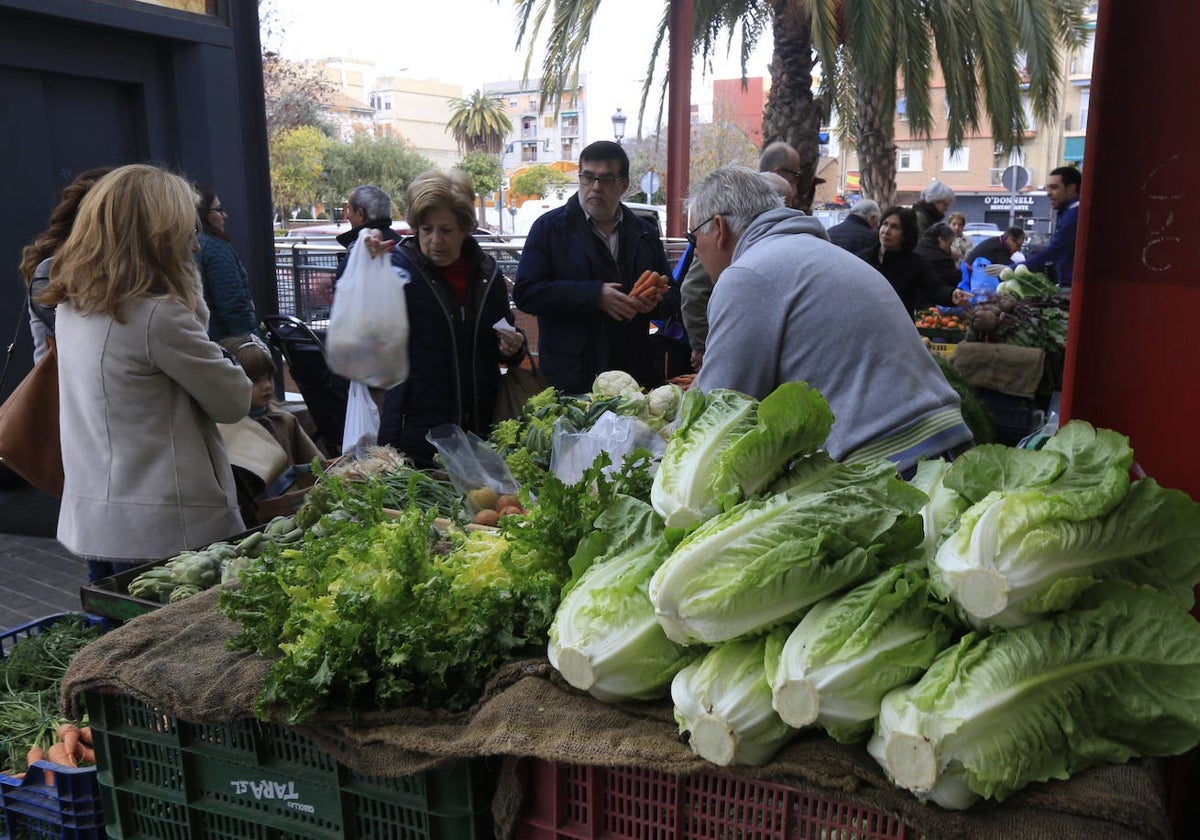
[793, 306]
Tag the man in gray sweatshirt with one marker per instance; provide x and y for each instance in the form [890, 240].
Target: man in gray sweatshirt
[789, 305]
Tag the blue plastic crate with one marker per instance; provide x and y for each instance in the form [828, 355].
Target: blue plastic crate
[65, 807]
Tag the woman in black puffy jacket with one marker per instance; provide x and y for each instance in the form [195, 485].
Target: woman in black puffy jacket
[455, 294]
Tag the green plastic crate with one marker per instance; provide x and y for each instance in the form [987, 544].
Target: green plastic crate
[168, 779]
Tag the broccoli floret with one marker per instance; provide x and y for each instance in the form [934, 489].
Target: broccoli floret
[544, 399]
[506, 436]
[525, 469]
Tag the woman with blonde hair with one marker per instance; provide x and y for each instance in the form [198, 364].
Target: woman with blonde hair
[140, 384]
[455, 294]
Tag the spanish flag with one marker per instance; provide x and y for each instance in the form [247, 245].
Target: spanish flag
[852, 181]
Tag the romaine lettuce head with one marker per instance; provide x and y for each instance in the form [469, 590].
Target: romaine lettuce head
[729, 446]
[684, 491]
[605, 638]
[1116, 678]
[1084, 468]
[764, 561]
[850, 650]
[724, 701]
[943, 507]
[1015, 558]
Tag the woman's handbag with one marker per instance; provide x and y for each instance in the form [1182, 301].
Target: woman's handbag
[29, 437]
[517, 386]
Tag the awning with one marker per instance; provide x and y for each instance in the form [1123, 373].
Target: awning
[1073, 149]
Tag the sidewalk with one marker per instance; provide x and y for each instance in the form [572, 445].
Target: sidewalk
[38, 577]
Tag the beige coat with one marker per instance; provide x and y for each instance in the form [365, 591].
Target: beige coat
[146, 474]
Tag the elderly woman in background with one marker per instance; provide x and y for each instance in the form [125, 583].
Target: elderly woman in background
[935, 248]
[226, 285]
[935, 201]
[140, 384]
[455, 294]
[896, 259]
[37, 257]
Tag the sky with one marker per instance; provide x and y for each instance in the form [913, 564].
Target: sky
[469, 42]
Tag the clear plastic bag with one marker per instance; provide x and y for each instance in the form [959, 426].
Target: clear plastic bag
[572, 451]
[475, 469]
[368, 326]
[362, 420]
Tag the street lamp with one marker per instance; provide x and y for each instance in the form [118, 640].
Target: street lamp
[618, 121]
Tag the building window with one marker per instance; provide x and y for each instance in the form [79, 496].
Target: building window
[386, 100]
[533, 103]
[902, 108]
[908, 160]
[548, 121]
[568, 150]
[546, 145]
[512, 103]
[570, 125]
[1085, 99]
[959, 161]
[528, 152]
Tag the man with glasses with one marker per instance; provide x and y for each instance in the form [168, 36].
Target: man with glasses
[790, 305]
[579, 263]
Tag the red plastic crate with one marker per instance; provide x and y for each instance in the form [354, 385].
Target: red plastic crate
[580, 802]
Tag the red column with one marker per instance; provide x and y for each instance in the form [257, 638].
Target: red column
[1131, 362]
[679, 113]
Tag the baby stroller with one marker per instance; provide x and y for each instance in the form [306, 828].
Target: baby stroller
[323, 390]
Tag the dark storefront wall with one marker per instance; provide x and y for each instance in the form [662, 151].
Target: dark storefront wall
[85, 84]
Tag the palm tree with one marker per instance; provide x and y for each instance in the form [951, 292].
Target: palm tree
[479, 124]
[865, 48]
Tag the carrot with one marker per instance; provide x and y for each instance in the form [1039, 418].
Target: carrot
[85, 735]
[35, 753]
[87, 755]
[643, 284]
[68, 734]
[58, 754]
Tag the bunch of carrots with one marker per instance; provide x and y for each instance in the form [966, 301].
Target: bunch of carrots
[651, 285]
[72, 748]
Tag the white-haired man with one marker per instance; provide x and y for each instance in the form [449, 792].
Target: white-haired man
[860, 230]
[790, 305]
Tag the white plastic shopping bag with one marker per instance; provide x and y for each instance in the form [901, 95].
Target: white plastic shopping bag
[362, 420]
[368, 328]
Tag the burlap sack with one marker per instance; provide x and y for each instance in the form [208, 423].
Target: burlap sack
[175, 659]
[1006, 368]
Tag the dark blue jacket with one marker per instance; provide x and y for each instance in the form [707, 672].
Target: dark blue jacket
[1060, 253]
[226, 289]
[855, 234]
[453, 352]
[559, 278]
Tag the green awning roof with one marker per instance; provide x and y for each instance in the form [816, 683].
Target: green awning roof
[1073, 150]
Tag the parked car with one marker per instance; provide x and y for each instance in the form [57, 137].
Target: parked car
[329, 230]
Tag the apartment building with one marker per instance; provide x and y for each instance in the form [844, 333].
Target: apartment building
[415, 109]
[539, 136]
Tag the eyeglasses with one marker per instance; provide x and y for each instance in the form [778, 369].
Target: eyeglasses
[605, 181]
[783, 170]
[690, 235]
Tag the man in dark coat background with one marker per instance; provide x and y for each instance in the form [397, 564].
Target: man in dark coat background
[860, 230]
[579, 264]
[368, 207]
